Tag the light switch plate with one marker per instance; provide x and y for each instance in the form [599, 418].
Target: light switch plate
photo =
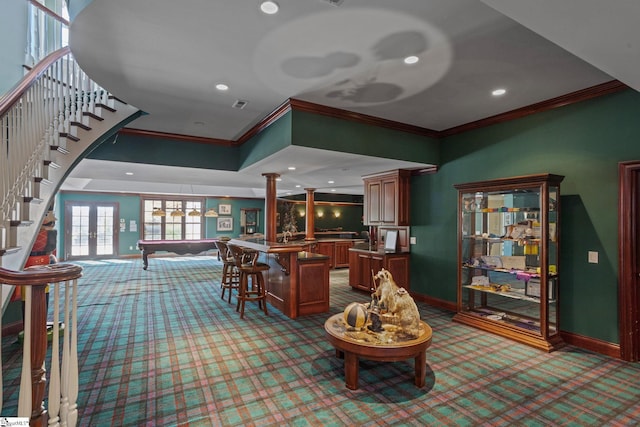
[593, 257]
[412, 240]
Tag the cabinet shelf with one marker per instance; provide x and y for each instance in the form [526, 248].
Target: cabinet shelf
[508, 248]
[514, 293]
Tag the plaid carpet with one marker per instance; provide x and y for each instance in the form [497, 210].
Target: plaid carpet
[160, 348]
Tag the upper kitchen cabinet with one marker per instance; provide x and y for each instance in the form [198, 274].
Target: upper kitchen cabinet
[386, 198]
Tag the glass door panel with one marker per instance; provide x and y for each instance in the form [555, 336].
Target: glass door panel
[90, 230]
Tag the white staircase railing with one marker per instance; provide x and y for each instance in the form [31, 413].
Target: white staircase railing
[63, 370]
[48, 122]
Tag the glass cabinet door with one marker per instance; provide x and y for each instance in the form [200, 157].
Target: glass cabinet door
[507, 250]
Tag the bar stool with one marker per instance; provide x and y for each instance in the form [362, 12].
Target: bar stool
[249, 268]
[230, 273]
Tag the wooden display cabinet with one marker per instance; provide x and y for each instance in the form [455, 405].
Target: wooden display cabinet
[508, 248]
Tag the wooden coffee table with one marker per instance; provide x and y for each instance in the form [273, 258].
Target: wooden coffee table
[353, 345]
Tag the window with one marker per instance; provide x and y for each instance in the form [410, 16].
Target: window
[168, 227]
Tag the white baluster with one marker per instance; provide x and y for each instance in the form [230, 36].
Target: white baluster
[64, 383]
[73, 360]
[54, 376]
[24, 399]
[1, 382]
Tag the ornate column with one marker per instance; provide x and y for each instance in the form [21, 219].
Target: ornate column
[270, 208]
[310, 215]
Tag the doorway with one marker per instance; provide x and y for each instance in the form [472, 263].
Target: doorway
[90, 230]
[629, 260]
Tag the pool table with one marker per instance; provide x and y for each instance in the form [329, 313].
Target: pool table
[180, 247]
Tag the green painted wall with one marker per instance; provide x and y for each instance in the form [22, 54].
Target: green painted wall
[129, 210]
[317, 131]
[163, 151]
[584, 142]
[269, 141]
[236, 205]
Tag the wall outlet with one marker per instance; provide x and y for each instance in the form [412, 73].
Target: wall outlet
[593, 257]
[413, 240]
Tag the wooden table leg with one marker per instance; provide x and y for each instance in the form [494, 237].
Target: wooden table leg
[421, 368]
[351, 370]
[145, 259]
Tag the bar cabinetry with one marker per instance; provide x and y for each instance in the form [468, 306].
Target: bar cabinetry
[508, 269]
[362, 263]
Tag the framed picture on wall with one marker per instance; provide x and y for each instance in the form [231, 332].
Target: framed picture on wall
[224, 209]
[225, 224]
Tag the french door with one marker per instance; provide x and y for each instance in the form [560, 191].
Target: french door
[90, 230]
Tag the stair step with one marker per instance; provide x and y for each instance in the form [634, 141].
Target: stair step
[106, 107]
[59, 149]
[80, 125]
[20, 223]
[34, 200]
[92, 115]
[9, 250]
[68, 136]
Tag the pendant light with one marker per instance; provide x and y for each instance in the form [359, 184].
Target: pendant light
[158, 212]
[194, 212]
[177, 212]
[211, 213]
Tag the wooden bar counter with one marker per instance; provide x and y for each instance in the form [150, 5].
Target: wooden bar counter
[298, 280]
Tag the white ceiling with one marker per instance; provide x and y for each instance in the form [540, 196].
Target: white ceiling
[165, 57]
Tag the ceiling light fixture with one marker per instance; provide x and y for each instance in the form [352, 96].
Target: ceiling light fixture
[176, 213]
[269, 7]
[222, 86]
[291, 168]
[128, 173]
[499, 92]
[194, 212]
[411, 59]
[158, 212]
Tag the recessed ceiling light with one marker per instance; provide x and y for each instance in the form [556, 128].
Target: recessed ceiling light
[330, 182]
[278, 179]
[291, 168]
[298, 186]
[499, 92]
[269, 7]
[411, 59]
[222, 86]
[333, 189]
[128, 173]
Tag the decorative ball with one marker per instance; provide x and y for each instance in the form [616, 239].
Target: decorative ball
[355, 315]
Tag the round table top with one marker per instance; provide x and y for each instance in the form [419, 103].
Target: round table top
[391, 338]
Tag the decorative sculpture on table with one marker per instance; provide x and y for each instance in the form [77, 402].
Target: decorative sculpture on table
[391, 315]
[399, 303]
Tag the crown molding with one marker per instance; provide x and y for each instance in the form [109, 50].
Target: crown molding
[309, 107]
[175, 136]
[560, 101]
[338, 113]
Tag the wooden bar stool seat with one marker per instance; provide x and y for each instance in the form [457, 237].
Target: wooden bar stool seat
[250, 272]
[230, 274]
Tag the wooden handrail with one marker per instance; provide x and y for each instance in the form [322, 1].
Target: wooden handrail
[49, 12]
[16, 93]
[40, 274]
